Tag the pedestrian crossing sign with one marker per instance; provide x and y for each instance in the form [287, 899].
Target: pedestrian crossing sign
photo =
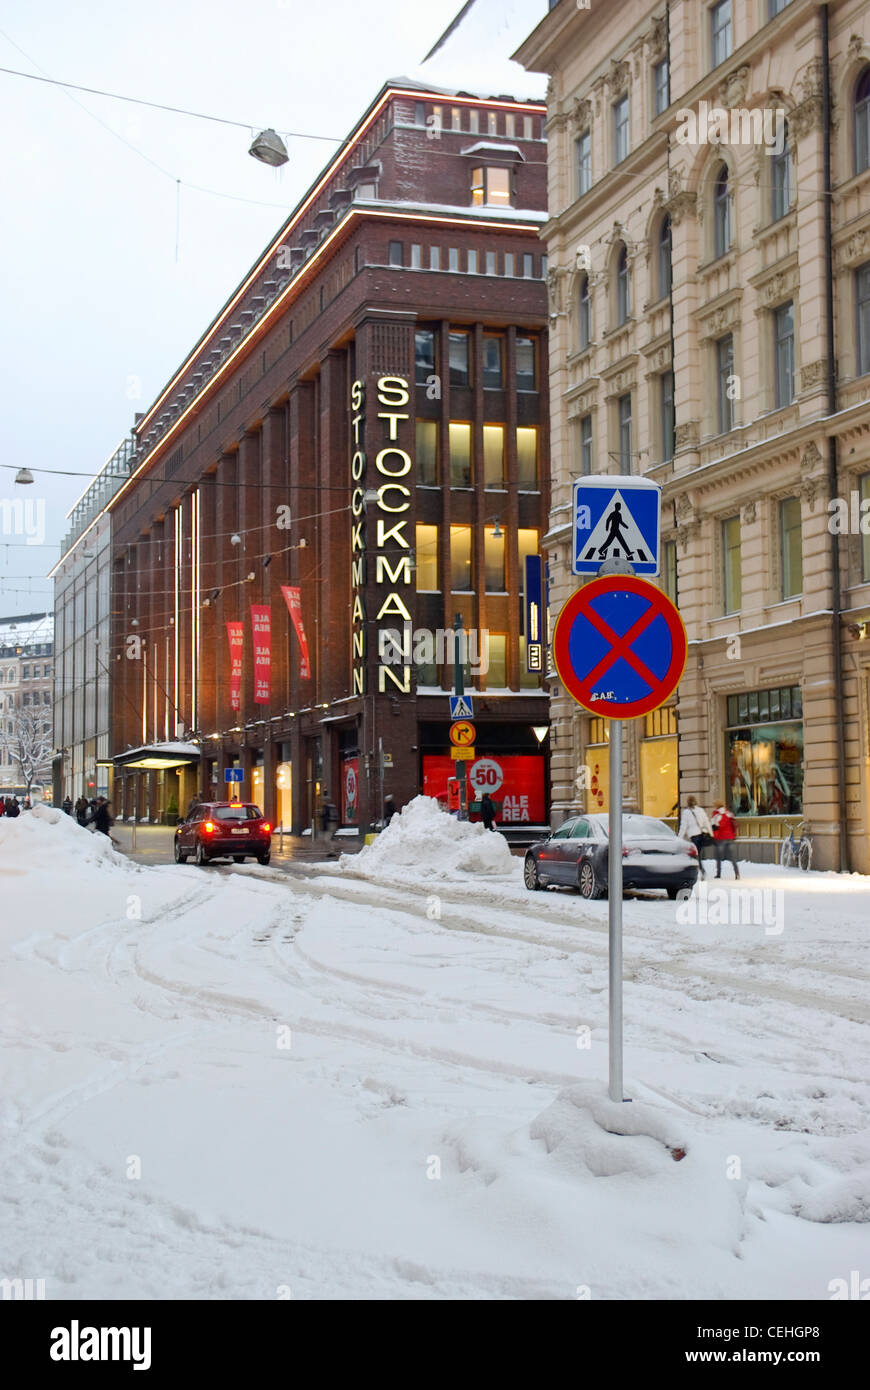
[616, 518]
[461, 707]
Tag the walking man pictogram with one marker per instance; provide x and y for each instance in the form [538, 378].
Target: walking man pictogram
[615, 526]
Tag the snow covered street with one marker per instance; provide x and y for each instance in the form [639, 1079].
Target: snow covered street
[386, 1078]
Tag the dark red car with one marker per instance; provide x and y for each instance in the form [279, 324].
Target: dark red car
[217, 829]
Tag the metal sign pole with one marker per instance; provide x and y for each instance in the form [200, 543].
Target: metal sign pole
[614, 897]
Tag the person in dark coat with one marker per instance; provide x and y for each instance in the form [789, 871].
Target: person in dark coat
[102, 819]
[12, 807]
[81, 811]
[487, 811]
[67, 805]
[389, 810]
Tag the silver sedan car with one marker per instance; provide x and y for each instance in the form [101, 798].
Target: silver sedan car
[576, 856]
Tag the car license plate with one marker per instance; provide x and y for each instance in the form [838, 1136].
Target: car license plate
[239, 832]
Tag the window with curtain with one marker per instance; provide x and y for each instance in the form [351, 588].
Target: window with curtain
[427, 557]
[460, 559]
[783, 335]
[791, 542]
[459, 435]
[720, 32]
[620, 129]
[586, 444]
[668, 424]
[780, 174]
[623, 410]
[724, 373]
[584, 314]
[527, 457]
[732, 577]
[493, 559]
[493, 456]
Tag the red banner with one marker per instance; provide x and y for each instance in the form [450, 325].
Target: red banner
[515, 783]
[261, 625]
[236, 636]
[293, 599]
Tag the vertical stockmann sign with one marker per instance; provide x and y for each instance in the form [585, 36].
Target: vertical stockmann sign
[391, 498]
[533, 590]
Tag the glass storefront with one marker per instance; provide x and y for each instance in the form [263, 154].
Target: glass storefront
[764, 751]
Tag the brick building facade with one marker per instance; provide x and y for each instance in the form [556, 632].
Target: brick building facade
[363, 424]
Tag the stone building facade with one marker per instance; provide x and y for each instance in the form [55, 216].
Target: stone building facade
[709, 253]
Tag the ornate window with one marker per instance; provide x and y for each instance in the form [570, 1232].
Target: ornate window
[584, 314]
[721, 213]
[665, 276]
[780, 174]
[623, 295]
[862, 122]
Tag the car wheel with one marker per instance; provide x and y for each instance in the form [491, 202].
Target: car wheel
[180, 856]
[676, 889]
[530, 874]
[200, 857]
[264, 858]
[587, 881]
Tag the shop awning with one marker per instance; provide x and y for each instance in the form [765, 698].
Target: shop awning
[158, 757]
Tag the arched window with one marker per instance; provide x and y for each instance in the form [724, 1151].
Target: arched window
[622, 289]
[665, 279]
[780, 173]
[721, 213]
[584, 314]
[862, 122]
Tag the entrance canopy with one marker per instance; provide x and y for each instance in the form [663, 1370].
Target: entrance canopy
[158, 757]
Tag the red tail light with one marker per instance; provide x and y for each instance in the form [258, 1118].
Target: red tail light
[208, 826]
[265, 827]
[692, 852]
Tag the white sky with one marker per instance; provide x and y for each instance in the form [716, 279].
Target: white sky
[93, 296]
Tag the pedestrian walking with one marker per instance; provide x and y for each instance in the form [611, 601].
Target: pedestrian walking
[81, 811]
[487, 811]
[102, 820]
[12, 807]
[67, 805]
[695, 826]
[724, 834]
[389, 810]
[328, 818]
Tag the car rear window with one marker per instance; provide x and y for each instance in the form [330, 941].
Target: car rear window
[643, 828]
[236, 813]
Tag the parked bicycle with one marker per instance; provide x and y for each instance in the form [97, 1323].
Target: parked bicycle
[797, 852]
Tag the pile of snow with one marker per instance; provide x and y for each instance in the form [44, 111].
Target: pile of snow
[45, 835]
[425, 836]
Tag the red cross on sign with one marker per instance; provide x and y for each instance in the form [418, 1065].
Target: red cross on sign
[619, 646]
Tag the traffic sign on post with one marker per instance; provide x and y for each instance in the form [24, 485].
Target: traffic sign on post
[234, 774]
[619, 646]
[462, 733]
[461, 707]
[619, 519]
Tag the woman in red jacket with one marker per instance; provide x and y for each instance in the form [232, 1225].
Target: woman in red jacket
[724, 835]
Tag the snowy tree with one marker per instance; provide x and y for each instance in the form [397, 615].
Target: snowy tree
[28, 740]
